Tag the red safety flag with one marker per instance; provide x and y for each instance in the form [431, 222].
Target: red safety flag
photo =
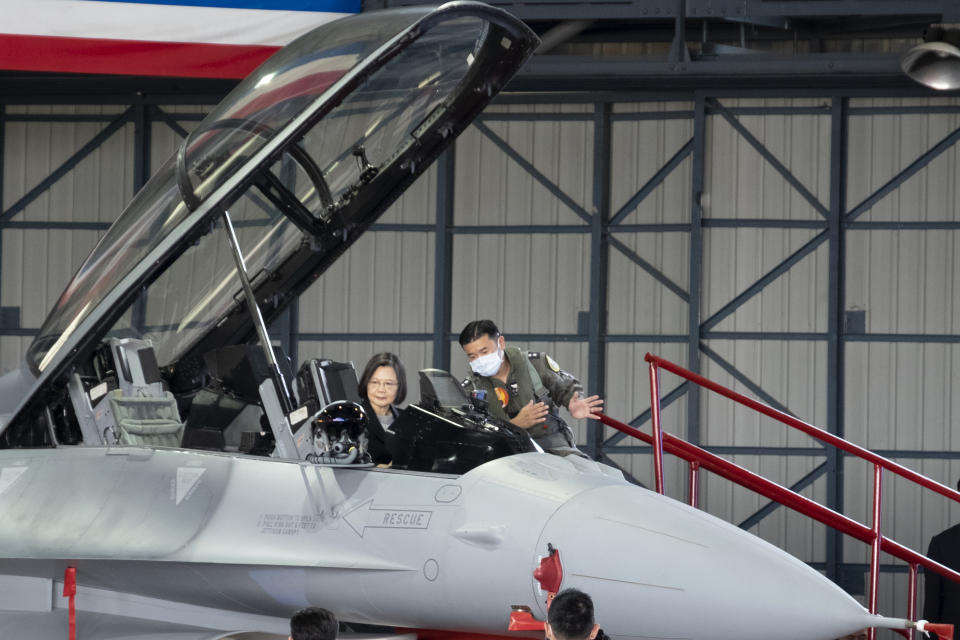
[70, 591]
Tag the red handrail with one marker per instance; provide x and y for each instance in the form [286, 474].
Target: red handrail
[700, 458]
[809, 429]
[769, 489]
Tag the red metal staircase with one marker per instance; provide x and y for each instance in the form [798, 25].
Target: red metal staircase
[698, 459]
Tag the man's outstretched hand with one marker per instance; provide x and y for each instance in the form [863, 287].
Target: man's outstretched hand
[581, 408]
[530, 415]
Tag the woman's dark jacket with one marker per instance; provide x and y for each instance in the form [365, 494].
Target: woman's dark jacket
[379, 440]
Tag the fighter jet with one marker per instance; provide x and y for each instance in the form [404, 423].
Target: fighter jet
[163, 466]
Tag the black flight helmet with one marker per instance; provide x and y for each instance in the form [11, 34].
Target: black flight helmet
[342, 420]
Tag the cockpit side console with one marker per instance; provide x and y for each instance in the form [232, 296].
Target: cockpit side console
[448, 432]
[440, 390]
[452, 441]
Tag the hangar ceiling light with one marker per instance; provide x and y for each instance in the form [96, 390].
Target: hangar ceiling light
[936, 62]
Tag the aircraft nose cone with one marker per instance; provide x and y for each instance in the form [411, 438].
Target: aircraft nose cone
[657, 568]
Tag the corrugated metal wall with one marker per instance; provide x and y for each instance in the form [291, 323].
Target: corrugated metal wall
[524, 187]
[902, 395]
[743, 188]
[95, 190]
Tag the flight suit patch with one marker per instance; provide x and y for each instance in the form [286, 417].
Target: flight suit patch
[552, 364]
[502, 396]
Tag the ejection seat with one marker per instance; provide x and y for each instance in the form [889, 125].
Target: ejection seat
[141, 412]
[230, 412]
[146, 421]
[321, 381]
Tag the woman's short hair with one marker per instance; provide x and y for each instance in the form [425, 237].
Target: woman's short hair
[385, 359]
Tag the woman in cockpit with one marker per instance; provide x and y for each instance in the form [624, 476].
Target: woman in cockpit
[383, 386]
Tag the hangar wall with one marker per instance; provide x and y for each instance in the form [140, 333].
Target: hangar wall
[706, 227]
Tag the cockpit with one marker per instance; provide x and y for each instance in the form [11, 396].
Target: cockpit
[230, 404]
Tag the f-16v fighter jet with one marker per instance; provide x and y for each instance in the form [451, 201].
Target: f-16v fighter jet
[155, 446]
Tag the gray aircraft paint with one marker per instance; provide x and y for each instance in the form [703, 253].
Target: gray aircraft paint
[267, 536]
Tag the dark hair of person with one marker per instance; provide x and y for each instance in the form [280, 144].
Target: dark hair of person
[571, 615]
[477, 329]
[385, 359]
[313, 623]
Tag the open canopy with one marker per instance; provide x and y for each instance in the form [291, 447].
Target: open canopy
[302, 157]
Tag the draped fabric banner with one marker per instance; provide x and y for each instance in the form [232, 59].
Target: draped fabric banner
[183, 38]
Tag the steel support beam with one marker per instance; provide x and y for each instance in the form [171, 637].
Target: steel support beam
[771, 159]
[171, 122]
[835, 309]
[141, 144]
[537, 175]
[522, 229]
[652, 183]
[695, 290]
[658, 275]
[678, 48]
[68, 165]
[744, 380]
[813, 69]
[599, 271]
[365, 337]
[61, 117]
[763, 335]
[894, 225]
[19, 333]
[676, 227]
[763, 223]
[912, 169]
[666, 338]
[770, 507]
[918, 338]
[767, 278]
[506, 116]
[647, 116]
[745, 9]
[761, 11]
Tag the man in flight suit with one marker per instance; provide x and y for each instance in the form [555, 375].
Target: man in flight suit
[525, 387]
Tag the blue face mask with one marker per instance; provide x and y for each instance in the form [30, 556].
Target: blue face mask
[487, 365]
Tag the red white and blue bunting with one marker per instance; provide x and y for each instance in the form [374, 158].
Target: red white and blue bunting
[186, 38]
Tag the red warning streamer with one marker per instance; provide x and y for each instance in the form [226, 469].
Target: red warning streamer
[70, 591]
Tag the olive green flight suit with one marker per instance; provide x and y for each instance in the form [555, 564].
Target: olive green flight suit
[533, 377]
